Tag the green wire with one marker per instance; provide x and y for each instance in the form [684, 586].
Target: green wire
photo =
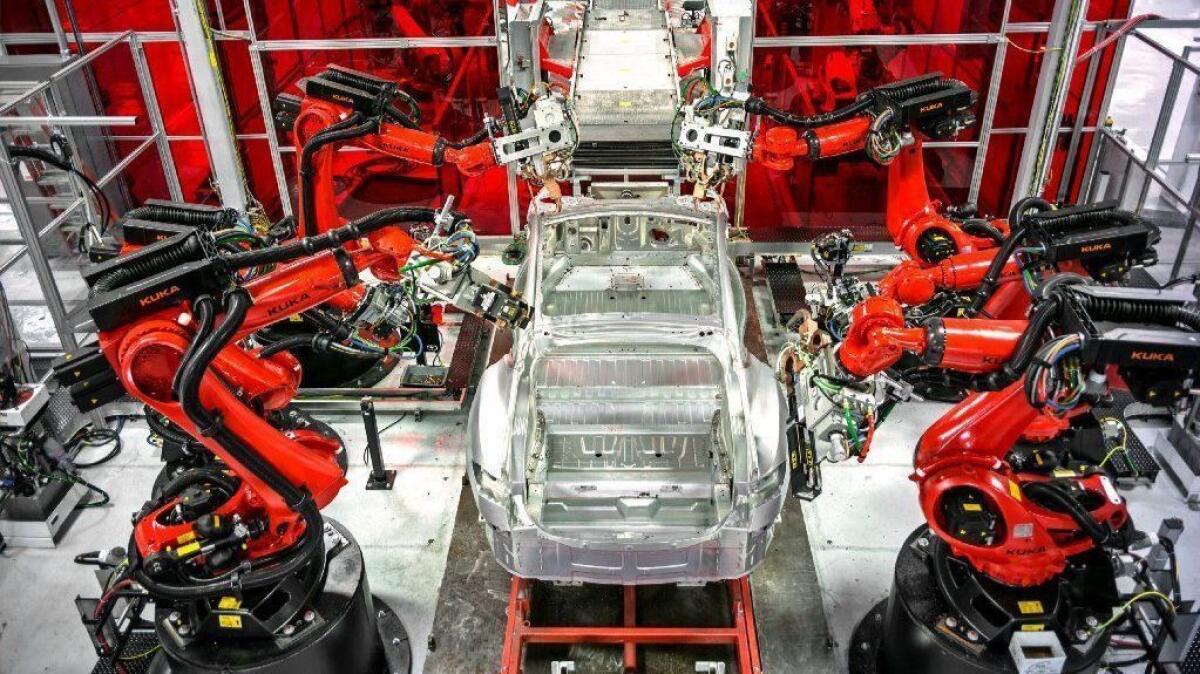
[417, 265]
[64, 477]
[851, 427]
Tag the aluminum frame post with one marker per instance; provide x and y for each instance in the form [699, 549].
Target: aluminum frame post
[156, 119]
[1192, 224]
[1058, 62]
[209, 88]
[1085, 97]
[37, 256]
[56, 25]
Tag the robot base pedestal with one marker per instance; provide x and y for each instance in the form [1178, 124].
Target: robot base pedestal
[917, 629]
[351, 632]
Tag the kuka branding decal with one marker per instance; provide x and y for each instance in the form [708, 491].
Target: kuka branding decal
[158, 295]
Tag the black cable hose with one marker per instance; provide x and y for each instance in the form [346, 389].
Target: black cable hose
[190, 250]
[196, 476]
[98, 437]
[180, 215]
[1057, 495]
[1132, 311]
[1043, 316]
[348, 129]
[923, 88]
[311, 548]
[48, 157]
[1051, 296]
[984, 229]
[164, 428]
[322, 343]
[288, 343]
[1017, 233]
[337, 329]
[204, 310]
[333, 238]
[864, 103]
[402, 119]
[237, 304]
[412, 121]
[1061, 222]
[469, 140]
[758, 106]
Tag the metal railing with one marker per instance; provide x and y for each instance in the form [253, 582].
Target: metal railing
[47, 96]
[1164, 186]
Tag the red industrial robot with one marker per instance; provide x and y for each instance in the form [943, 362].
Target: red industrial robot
[950, 254]
[1020, 520]
[219, 544]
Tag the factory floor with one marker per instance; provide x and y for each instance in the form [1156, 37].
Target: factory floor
[853, 531]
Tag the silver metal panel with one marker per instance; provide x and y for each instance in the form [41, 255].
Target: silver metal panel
[1054, 79]
[619, 98]
[209, 89]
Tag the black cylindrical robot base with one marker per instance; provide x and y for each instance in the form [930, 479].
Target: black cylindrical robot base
[913, 630]
[347, 630]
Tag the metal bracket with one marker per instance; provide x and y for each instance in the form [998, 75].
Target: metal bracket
[531, 142]
[707, 667]
[562, 667]
[696, 137]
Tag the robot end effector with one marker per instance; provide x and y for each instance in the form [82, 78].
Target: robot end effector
[932, 105]
[533, 126]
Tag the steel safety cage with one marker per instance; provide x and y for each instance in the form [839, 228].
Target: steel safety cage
[53, 114]
[1161, 182]
[1000, 38]
[259, 47]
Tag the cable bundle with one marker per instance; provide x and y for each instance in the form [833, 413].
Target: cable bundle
[1055, 377]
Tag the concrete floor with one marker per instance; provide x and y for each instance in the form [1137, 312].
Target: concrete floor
[855, 529]
[404, 533]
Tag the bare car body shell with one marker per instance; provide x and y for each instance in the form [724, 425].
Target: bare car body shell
[628, 437]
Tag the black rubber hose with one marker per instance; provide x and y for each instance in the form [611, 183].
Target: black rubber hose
[864, 103]
[474, 138]
[1056, 495]
[1055, 222]
[288, 343]
[412, 121]
[204, 310]
[347, 129]
[1044, 316]
[333, 238]
[165, 429]
[189, 250]
[1052, 294]
[1017, 233]
[402, 119]
[758, 106]
[984, 229]
[197, 476]
[178, 215]
[191, 374]
[62, 164]
[921, 88]
[323, 343]
[327, 323]
[1132, 311]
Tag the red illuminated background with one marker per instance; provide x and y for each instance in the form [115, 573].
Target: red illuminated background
[456, 85]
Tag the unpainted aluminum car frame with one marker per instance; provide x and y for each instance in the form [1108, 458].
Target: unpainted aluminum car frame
[629, 437]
